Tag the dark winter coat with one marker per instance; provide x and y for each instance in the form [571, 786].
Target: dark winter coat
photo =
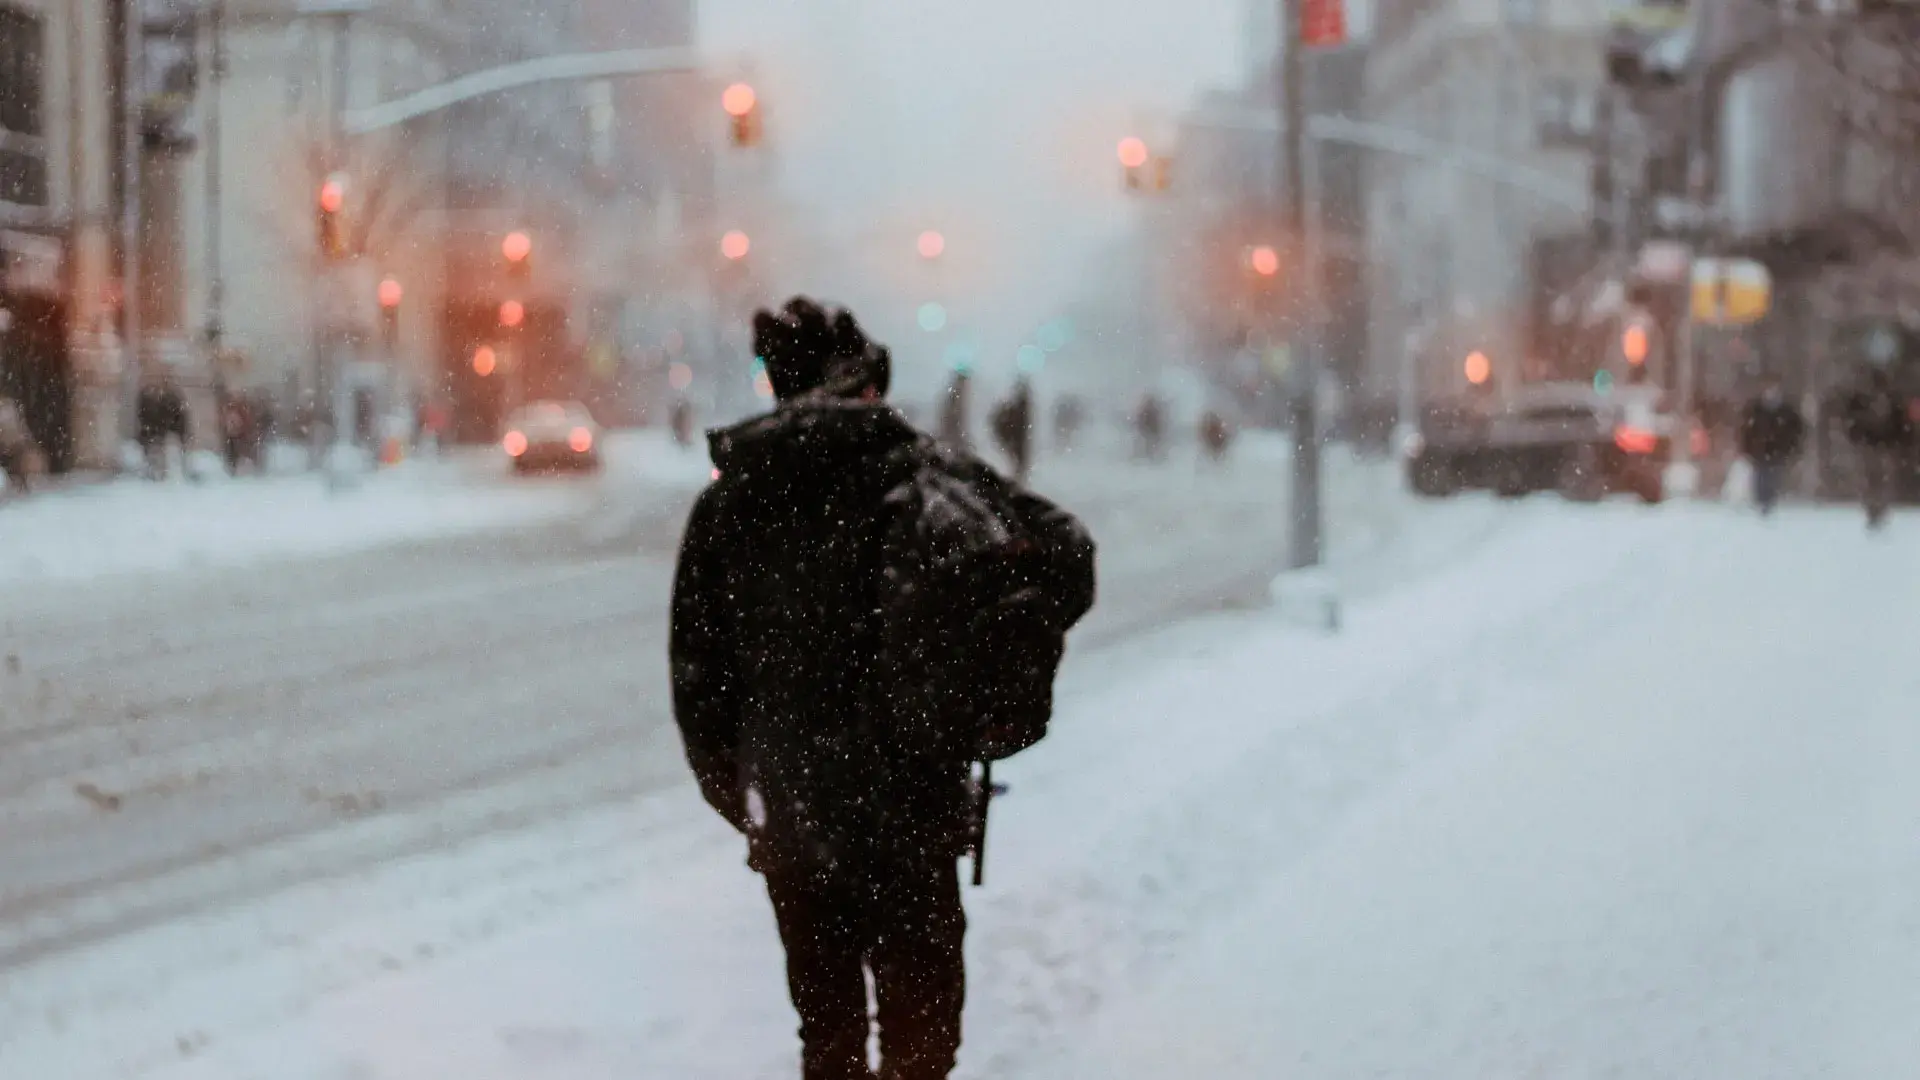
[161, 414]
[1877, 418]
[779, 686]
[1771, 432]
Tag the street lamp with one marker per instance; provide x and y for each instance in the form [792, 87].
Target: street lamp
[742, 106]
[516, 246]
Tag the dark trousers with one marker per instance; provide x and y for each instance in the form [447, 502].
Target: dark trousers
[906, 927]
[1768, 478]
[1879, 468]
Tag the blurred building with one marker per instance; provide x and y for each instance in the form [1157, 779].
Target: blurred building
[251, 106]
[1463, 261]
[58, 197]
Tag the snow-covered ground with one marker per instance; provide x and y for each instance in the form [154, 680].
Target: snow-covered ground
[1577, 792]
[132, 525]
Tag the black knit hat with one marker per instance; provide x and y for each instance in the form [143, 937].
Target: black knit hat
[806, 349]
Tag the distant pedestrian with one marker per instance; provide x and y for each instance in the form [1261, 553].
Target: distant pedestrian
[1068, 415]
[1771, 433]
[1881, 429]
[1013, 429]
[237, 437]
[1149, 426]
[161, 419]
[18, 450]
[681, 421]
[1215, 435]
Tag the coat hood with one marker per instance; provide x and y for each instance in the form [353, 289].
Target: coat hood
[810, 434]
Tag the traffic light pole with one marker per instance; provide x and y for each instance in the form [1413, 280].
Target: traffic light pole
[1304, 508]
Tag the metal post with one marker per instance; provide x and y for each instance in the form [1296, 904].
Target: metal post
[216, 74]
[1304, 504]
[1698, 190]
[343, 400]
[132, 90]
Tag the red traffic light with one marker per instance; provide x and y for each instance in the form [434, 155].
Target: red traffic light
[1133, 152]
[516, 246]
[1478, 368]
[931, 244]
[739, 99]
[1264, 260]
[512, 313]
[333, 194]
[1633, 344]
[390, 293]
[484, 361]
[735, 245]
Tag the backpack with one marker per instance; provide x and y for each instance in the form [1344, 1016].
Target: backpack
[982, 580]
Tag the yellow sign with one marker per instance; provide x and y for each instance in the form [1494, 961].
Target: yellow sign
[1279, 360]
[1730, 292]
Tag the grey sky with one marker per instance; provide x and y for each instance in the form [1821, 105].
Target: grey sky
[993, 120]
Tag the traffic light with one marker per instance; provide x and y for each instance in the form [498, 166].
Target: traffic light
[743, 113]
[517, 248]
[484, 361]
[390, 294]
[331, 201]
[512, 313]
[1633, 344]
[1263, 260]
[930, 244]
[735, 245]
[1478, 369]
[1133, 155]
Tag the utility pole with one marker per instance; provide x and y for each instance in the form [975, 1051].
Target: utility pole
[133, 77]
[343, 397]
[216, 285]
[1304, 511]
[1699, 116]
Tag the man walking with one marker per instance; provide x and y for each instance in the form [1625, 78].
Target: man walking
[1881, 431]
[1770, 435]
[807, 619]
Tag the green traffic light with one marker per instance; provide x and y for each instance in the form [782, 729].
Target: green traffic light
[1603, 381]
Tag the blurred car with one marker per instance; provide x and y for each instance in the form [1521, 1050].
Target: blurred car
[552, 435]
[1565, 437]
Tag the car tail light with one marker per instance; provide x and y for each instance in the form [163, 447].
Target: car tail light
[1636, 440]
[580, 439]
[514, 444]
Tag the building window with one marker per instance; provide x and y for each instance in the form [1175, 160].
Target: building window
[23, 153]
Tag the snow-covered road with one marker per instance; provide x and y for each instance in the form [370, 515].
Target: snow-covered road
[1609, 791]
[227, 788]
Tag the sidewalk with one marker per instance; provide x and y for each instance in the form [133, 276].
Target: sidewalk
[131, 525]
[1678, 844]
[1183, 771]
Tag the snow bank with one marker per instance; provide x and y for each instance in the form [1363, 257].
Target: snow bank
[133, 525]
